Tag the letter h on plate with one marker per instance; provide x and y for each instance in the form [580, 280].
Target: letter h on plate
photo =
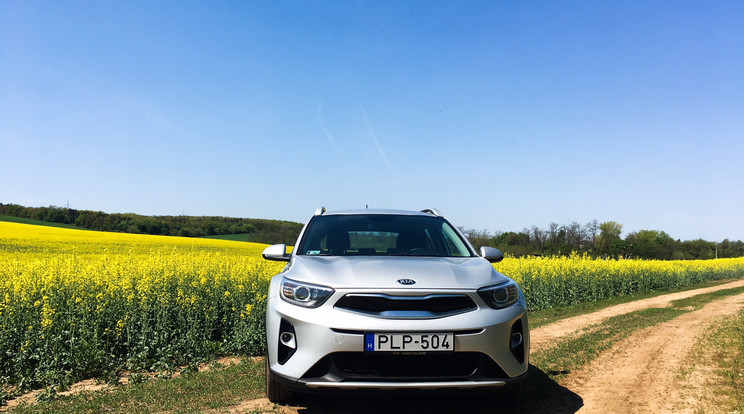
[369, 342]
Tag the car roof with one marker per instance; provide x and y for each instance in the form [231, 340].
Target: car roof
[365, 211]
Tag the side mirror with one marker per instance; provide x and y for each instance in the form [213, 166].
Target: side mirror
[277, 252]
[491, 254]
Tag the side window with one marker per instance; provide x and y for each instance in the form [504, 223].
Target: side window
[454, 244]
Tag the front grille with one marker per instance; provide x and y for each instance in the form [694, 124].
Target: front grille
[389, 306]
[360, 366]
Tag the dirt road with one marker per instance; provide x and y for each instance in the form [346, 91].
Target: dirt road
[640, 374]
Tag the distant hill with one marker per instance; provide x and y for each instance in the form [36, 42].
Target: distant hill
[249, 229]
[23, 220]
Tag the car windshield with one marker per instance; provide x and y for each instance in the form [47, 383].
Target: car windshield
[381, 235]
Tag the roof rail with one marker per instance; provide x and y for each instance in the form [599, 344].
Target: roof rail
[320, 211]
[432, 211]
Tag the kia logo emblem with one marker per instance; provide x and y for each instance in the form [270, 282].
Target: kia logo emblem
[406, 281]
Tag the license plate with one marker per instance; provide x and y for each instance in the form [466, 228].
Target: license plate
[409, 342]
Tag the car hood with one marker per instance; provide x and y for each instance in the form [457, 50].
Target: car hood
[365, 272]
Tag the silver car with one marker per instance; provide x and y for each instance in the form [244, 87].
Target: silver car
[391, 300]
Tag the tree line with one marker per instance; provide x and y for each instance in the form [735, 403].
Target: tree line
[602, 240]
[594, 238]
[257, 230]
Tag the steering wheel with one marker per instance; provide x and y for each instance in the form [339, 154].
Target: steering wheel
[420, 251]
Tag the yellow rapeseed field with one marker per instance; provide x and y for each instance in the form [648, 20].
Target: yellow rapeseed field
[76, 304]
[555, 281]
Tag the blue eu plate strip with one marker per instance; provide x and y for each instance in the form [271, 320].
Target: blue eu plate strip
[369, 342]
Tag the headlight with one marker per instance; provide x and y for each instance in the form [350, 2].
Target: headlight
[304, 294]
[500, 296]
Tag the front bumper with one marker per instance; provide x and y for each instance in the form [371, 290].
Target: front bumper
[329, 348]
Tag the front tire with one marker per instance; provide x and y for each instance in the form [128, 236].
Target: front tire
[276, 392]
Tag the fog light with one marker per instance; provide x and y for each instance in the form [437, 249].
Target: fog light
[286, 343]
[288, 340]
[516, 339]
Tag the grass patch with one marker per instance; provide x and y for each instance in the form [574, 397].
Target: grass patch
[189, 393]
[244, 237]
[575, 352]
[21, 220]
[572, 354]
[722, 354]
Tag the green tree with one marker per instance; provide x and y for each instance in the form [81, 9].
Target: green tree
[650, 244]
[517, 244]
[696, 249]
[609, 242]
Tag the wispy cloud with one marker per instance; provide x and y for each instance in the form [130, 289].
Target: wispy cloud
[376, 141]
[150, 113]
[323, 127]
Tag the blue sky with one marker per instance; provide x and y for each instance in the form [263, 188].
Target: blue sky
[503, 115]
